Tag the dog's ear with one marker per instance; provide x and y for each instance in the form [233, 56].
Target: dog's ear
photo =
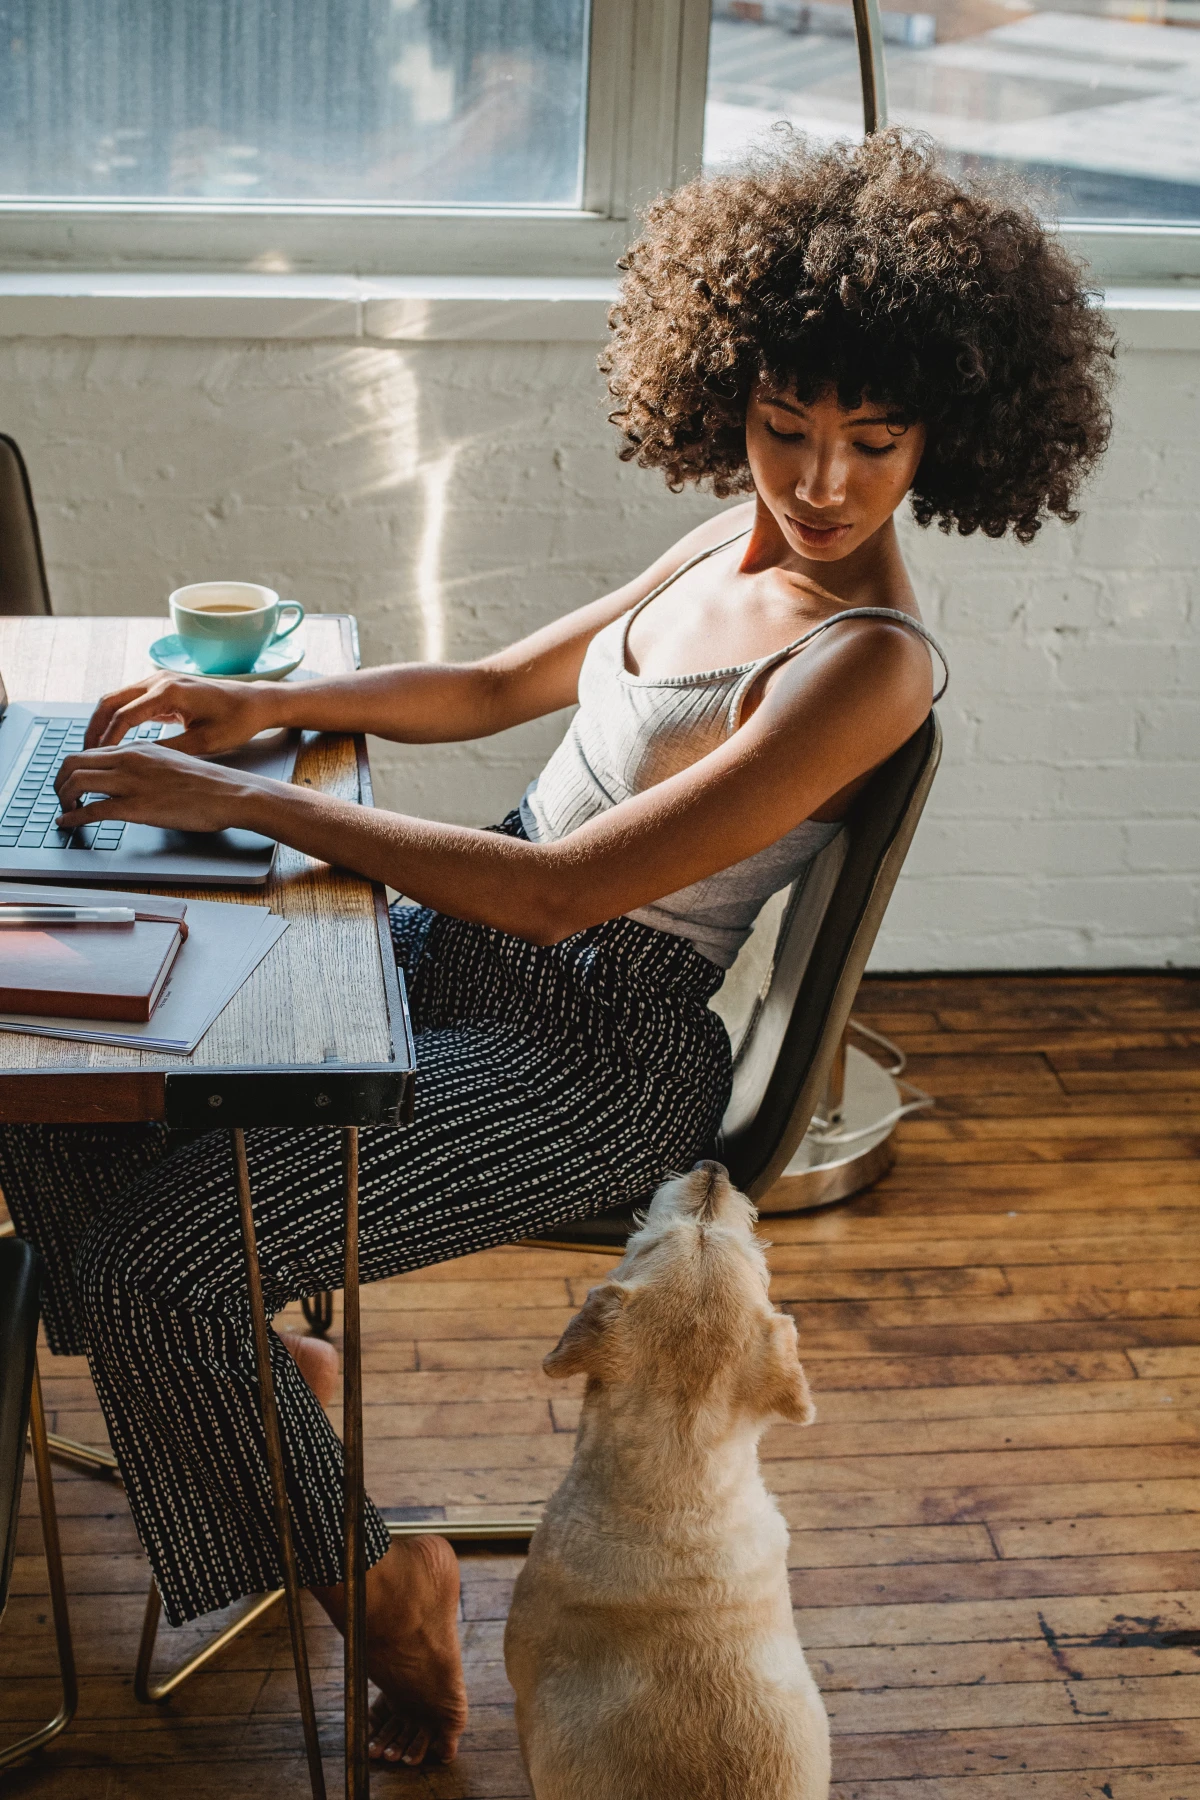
[784, 1391]
[582, 1347]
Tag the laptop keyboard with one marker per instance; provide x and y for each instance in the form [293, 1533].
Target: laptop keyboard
[28, 819]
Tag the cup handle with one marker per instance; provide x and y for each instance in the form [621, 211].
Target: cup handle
[287, 630]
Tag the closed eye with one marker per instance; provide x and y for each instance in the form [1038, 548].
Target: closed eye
[875, 449]
[789, 437]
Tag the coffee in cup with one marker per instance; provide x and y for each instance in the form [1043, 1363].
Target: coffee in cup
[226, 625]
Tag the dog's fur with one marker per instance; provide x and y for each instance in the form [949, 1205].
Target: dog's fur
[650, 1641]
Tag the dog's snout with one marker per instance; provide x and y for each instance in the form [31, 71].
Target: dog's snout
[715, 1177]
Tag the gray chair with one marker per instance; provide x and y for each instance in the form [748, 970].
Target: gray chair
[786, 1049]
[23, 585]
[21, 1412]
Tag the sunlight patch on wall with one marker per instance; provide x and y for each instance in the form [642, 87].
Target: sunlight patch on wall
[435, 480]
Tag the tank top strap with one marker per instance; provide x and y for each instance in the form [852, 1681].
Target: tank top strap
[627, 618]
[891, 613]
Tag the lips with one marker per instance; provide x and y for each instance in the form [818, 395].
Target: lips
[817, 537]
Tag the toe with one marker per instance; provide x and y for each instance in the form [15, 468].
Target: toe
[416, 1752]
[383, 1726]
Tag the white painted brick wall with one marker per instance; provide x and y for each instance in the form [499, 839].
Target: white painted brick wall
[454, 495]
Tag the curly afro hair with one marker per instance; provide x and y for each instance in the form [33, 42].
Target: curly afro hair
[868, 271]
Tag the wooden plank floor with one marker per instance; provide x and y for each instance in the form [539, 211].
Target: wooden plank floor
[995, 1521]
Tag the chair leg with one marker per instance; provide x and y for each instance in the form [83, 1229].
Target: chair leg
[318, 1311]
[354, 1574]
[150, 1692]
[58, 1588]
[270, 1418]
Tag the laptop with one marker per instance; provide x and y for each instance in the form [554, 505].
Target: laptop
[33, 743]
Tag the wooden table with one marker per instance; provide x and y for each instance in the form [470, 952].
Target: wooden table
[319, 1033]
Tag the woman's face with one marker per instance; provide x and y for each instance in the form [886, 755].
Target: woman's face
[830, 478]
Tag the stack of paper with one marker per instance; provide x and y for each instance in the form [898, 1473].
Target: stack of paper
[225, 944]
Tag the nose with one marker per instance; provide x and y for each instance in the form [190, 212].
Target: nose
[823, 483]
[715, 1178]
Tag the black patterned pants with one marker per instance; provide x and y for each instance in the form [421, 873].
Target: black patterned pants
[551, 1083]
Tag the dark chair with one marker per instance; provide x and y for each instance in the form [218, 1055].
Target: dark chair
[23, 585]
[787, 1048]
[21, 1412]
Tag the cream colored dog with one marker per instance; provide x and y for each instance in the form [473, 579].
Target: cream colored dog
[650, 1640]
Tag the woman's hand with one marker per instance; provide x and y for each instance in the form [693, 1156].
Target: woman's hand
[152, 785]
[216, 715]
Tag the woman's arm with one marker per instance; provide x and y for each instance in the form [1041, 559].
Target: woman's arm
[827, 719]
[411, 703]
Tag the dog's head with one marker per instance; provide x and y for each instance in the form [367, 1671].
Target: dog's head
[687, 1312]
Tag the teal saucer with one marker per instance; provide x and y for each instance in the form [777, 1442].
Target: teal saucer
[276, 661]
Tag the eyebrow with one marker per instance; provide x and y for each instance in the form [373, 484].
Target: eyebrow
[802, 412]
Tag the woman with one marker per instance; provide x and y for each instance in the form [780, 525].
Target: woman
[826, 332]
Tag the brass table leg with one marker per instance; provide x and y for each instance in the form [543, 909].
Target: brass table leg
[270, 1418]
[354, 1573]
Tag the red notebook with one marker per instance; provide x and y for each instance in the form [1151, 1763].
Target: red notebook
[89, 971]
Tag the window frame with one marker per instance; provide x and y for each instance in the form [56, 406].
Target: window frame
[646, 74]
[646, 80]
[1115, 253]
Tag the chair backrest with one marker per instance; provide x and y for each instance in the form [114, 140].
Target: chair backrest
[20, 1290]
[23, 585]
[831, 916]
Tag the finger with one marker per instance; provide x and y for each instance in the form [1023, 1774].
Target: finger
[197, 740]
[82, 788]
[72, 816]
[107, 705]
[105, 777]
[156, 705]
[76, 765]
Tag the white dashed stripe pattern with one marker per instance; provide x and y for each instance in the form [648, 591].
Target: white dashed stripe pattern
[552, 1083]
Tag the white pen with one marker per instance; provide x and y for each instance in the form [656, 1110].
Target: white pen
[66, 915]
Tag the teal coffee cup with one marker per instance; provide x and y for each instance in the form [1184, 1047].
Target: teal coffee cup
[226, 625]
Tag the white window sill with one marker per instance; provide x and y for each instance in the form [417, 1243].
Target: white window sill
[381, 309]
[414, 309]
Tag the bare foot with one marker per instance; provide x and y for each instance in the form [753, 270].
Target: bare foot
[316, 1360]
[413, 1654]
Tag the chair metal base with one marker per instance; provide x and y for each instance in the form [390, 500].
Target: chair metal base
[58, 1590]
[845, 1149]
[842, 1158]
[88, 1457]
[318, 1313]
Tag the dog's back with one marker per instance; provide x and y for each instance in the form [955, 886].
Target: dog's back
[650, 1640]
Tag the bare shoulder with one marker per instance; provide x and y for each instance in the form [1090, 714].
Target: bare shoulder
[876, 674]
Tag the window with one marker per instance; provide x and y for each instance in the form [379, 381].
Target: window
[423, 137]
[1097, 101]
[443, 102]
[518, 137]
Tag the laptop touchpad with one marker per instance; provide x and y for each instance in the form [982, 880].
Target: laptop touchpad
[223, 847]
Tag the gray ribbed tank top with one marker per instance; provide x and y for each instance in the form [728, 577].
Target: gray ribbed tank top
[633, 731]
